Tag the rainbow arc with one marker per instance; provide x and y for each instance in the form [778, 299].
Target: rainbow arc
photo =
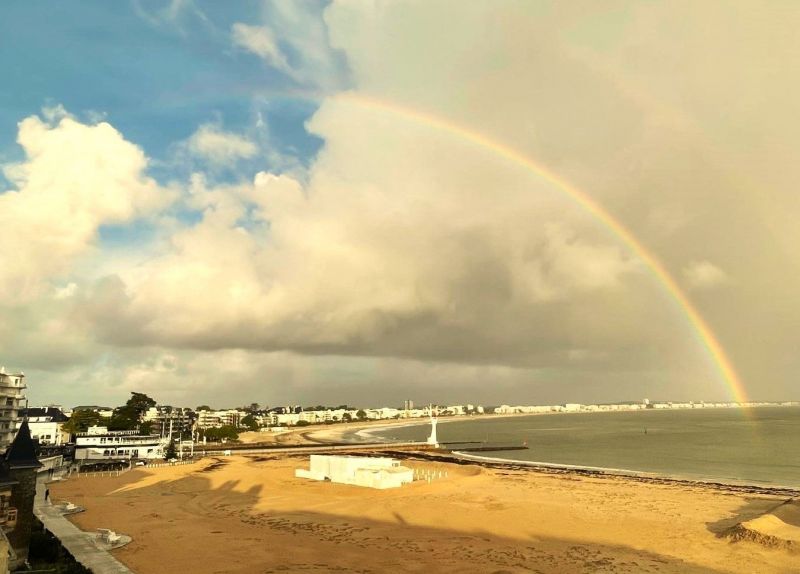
[703, 332]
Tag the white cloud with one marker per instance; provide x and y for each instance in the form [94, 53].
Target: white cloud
[260, 41]
[701, 275]
[220, 147]
[74, 179]
[293, 37]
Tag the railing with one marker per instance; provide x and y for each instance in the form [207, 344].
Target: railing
[119, 444]
[102, 472]
[99, 473]
[176, 463]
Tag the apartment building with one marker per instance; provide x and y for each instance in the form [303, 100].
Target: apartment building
[12, 400]
[214, 419]
[162, 418]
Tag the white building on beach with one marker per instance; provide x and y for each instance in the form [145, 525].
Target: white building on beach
[357, 470]
[99, 443]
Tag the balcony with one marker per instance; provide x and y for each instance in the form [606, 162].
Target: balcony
[12, 386]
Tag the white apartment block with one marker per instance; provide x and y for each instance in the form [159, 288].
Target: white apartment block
[214, 419]
[12, 399]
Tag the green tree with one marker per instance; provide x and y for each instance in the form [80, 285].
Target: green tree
[249, 421]
[204, 408]
[361, 414]
[302, 423]
[127, 417]
[347, 417]
[81, 420]
[224, 432]
[171, 451]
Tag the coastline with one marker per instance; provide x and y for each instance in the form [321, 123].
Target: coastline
[738, 486]
[340, 436]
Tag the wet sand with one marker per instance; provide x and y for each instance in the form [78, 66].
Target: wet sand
[245, 514]
[335, 433]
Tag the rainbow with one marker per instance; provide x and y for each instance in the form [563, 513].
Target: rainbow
[704, 333]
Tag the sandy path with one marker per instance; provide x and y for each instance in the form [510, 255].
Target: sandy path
[249, 514]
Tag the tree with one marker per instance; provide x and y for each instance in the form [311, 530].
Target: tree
[361, 414]
[204, 408]
[139, 403]
[121, 422]
[224, 432]
[302, 423]
[127, 417]
[249, 421]
[170, 452]
[347, 417]
[81, 420]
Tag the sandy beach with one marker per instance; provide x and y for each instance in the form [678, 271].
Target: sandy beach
[336, 433]
[244, 514]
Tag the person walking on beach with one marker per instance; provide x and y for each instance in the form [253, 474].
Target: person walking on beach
[46, 494]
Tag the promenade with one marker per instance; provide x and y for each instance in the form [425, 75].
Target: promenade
[77, 542]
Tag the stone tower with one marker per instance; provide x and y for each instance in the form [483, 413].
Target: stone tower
[22, 465]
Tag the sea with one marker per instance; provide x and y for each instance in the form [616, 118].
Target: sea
[758, 446]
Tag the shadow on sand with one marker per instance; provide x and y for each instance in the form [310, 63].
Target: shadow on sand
[220, 529]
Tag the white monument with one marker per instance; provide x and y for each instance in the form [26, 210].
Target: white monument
[432, 440]
[372, 472]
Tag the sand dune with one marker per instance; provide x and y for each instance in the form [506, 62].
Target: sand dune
[249, 514]
[778, 528]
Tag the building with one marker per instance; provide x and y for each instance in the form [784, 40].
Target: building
[46, 424]
[12, 399]
[21, 465]
[164, 418]
[358, 471]
[106, 412]
[99, 443]
[8, 517]
[214, 419]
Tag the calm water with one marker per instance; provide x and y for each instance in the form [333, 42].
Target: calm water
[758, 446]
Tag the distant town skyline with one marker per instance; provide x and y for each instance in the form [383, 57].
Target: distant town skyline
[319, 202]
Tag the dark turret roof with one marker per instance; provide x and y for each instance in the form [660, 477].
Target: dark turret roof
[55, 414]
[22, 452]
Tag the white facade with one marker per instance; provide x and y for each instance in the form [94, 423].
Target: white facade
[214, 419]
[357, 470]
[12, 398]
[101, 444]
[46, 431]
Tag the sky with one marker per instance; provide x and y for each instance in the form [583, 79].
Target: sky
[364, 202]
